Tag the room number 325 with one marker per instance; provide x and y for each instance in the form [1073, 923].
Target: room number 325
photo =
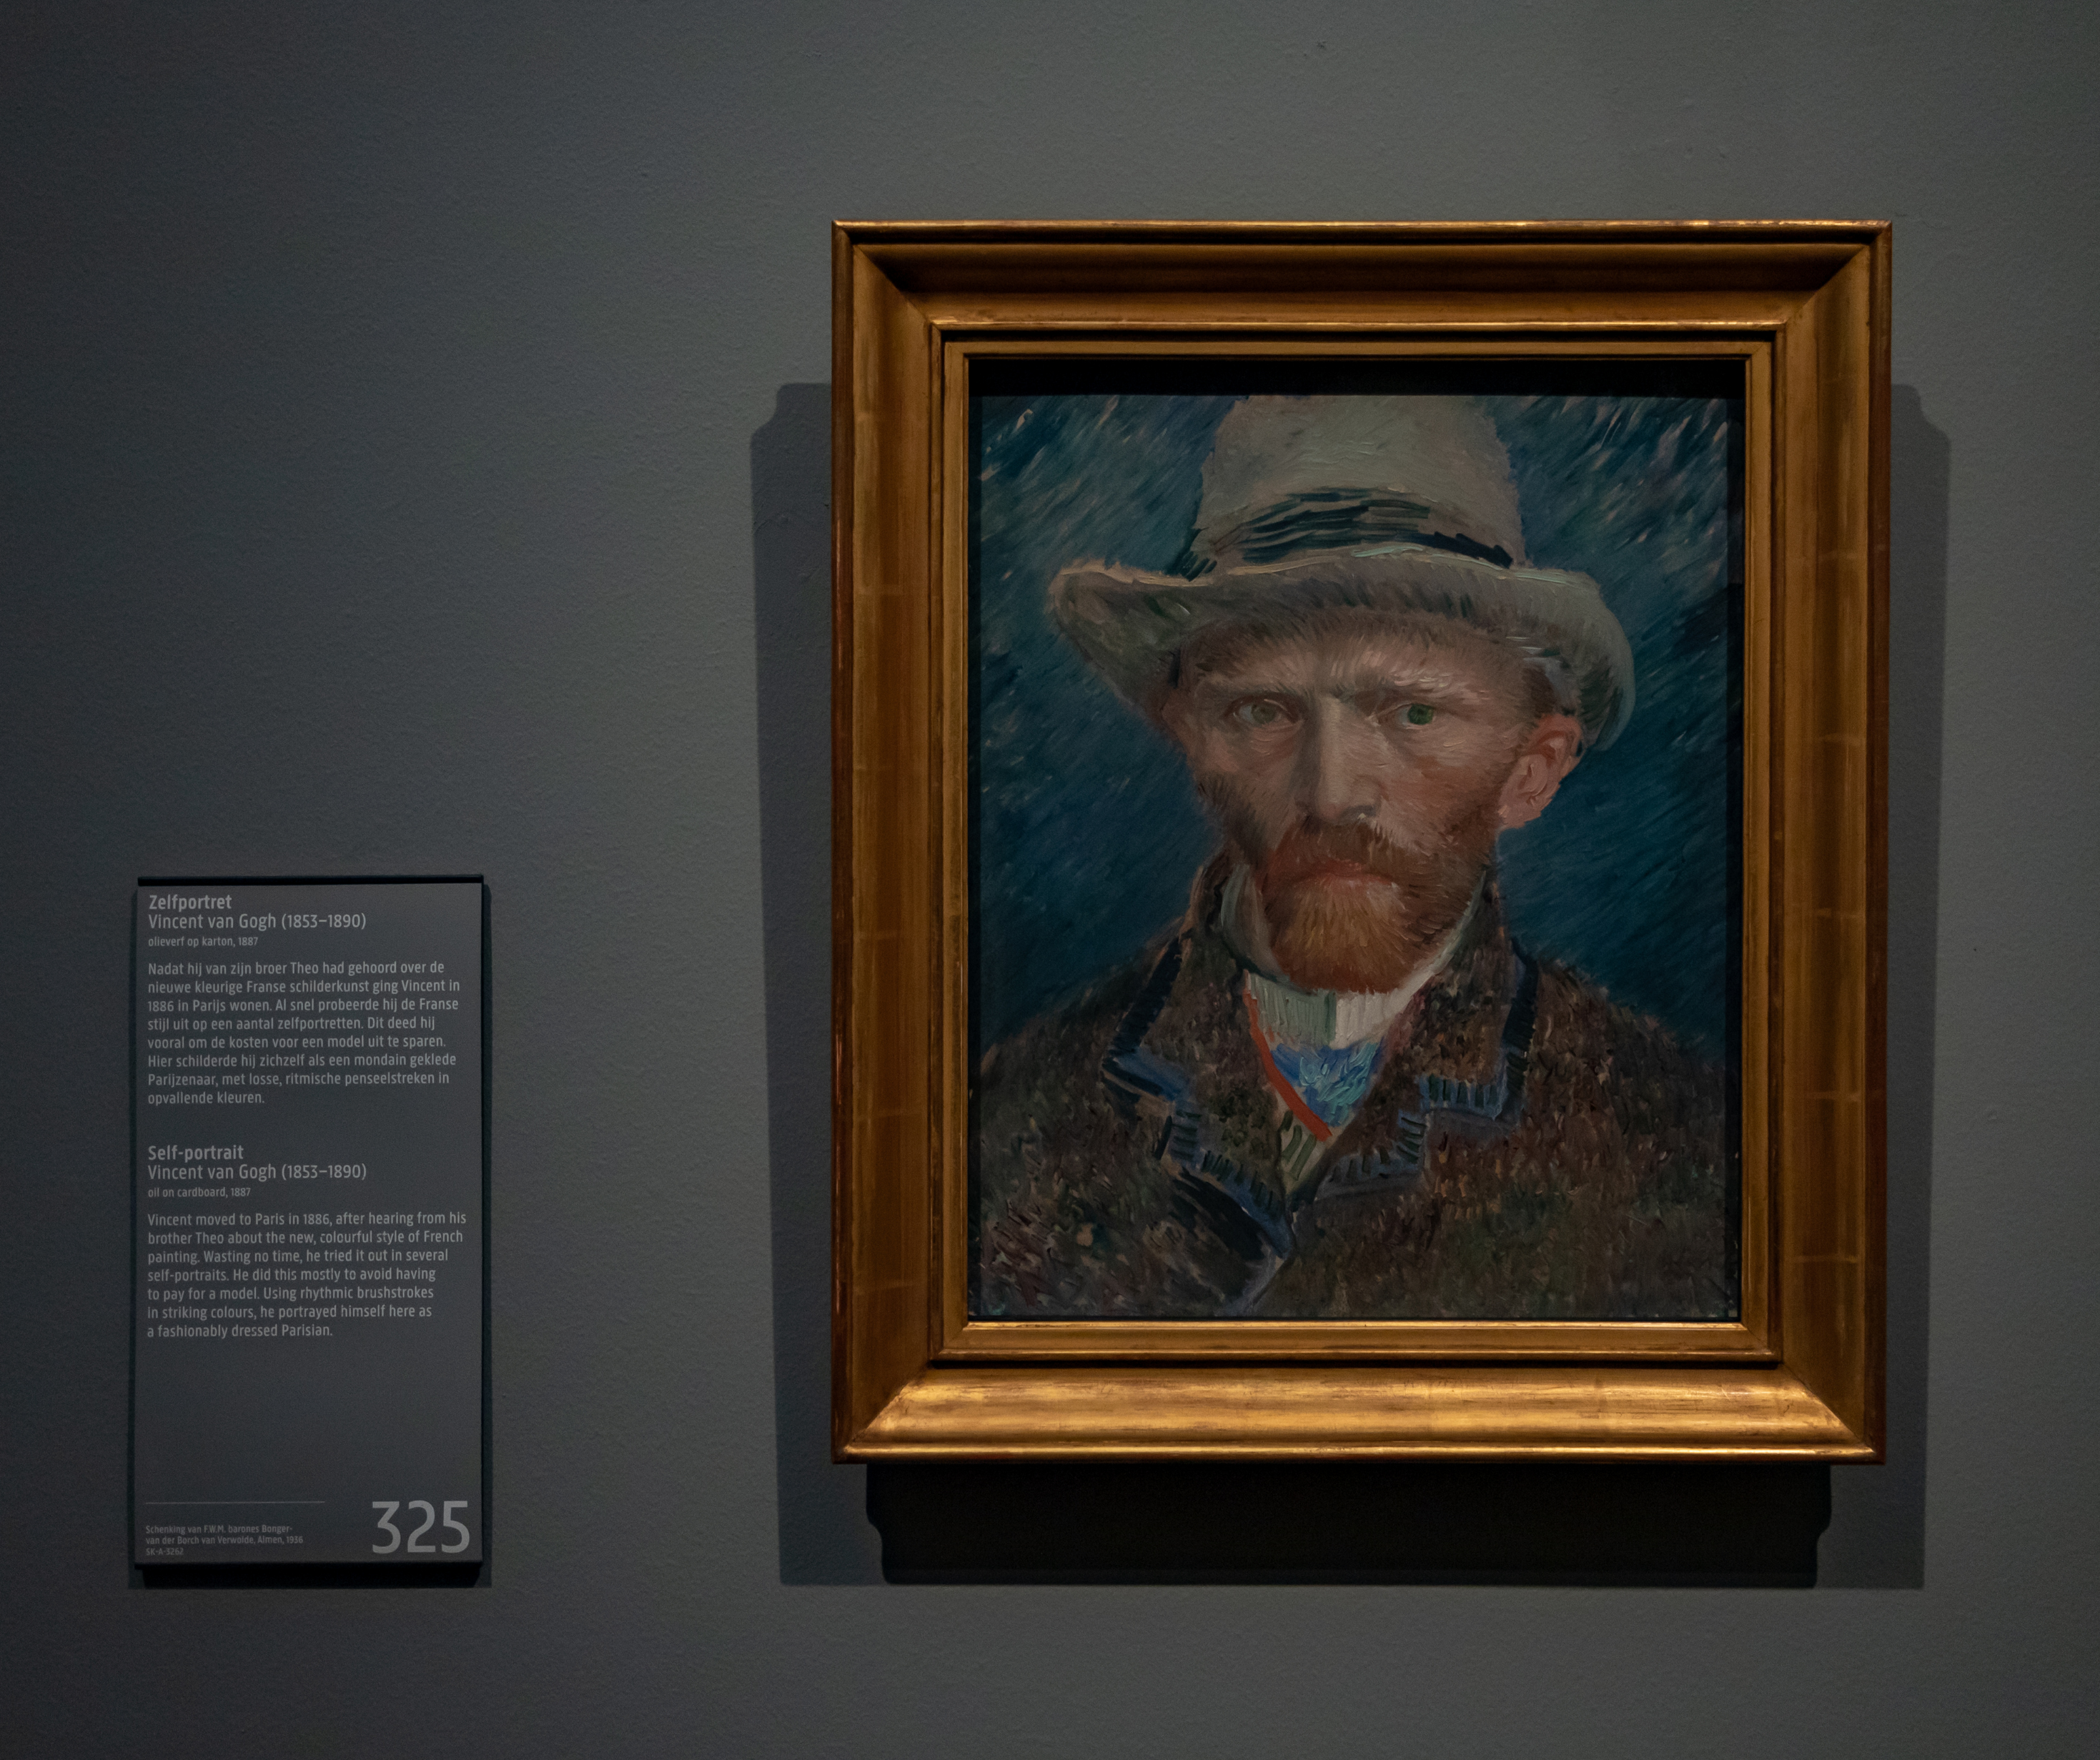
[416, 1542]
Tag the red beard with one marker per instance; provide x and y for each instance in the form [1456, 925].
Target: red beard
[1347, 909]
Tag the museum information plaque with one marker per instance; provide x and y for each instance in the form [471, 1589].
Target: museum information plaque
[307, 1182]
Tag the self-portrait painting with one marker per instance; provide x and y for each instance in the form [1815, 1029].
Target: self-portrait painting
[1354, 842]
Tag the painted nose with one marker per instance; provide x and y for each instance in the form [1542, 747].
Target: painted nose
[1338, 781]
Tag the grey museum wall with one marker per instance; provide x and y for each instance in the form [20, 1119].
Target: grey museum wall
[415, 424]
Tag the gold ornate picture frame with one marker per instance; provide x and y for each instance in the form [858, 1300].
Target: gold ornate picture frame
[1803, 306]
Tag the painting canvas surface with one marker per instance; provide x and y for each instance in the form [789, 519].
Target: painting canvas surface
[1353, 843]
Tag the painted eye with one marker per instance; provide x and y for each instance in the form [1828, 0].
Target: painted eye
[1263, 711]
[1419, 714]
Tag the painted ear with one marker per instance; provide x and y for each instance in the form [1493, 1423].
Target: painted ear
[1552, 748]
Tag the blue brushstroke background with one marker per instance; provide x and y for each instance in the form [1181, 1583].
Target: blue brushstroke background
[1089, 832]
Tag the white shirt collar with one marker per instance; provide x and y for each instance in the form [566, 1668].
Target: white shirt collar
[1329, 1018]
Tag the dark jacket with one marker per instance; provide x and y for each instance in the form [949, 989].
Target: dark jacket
[1528, 1150]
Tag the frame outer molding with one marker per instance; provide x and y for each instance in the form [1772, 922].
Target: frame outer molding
[912, 1377]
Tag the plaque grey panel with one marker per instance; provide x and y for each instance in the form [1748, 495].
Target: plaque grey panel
[308, 1222]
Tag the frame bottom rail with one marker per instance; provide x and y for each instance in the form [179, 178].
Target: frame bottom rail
[1111, 1412]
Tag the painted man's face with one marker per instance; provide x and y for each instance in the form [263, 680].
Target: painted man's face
[1362, 767]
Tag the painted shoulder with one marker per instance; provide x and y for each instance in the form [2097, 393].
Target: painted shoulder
[1066, 1042]
[1587, 1047]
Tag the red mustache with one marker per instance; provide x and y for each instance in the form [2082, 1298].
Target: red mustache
[1352, 851]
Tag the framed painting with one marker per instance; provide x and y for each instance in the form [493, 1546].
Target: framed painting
[1358, 874]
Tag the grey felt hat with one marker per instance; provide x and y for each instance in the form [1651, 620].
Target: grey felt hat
[1388, 503]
